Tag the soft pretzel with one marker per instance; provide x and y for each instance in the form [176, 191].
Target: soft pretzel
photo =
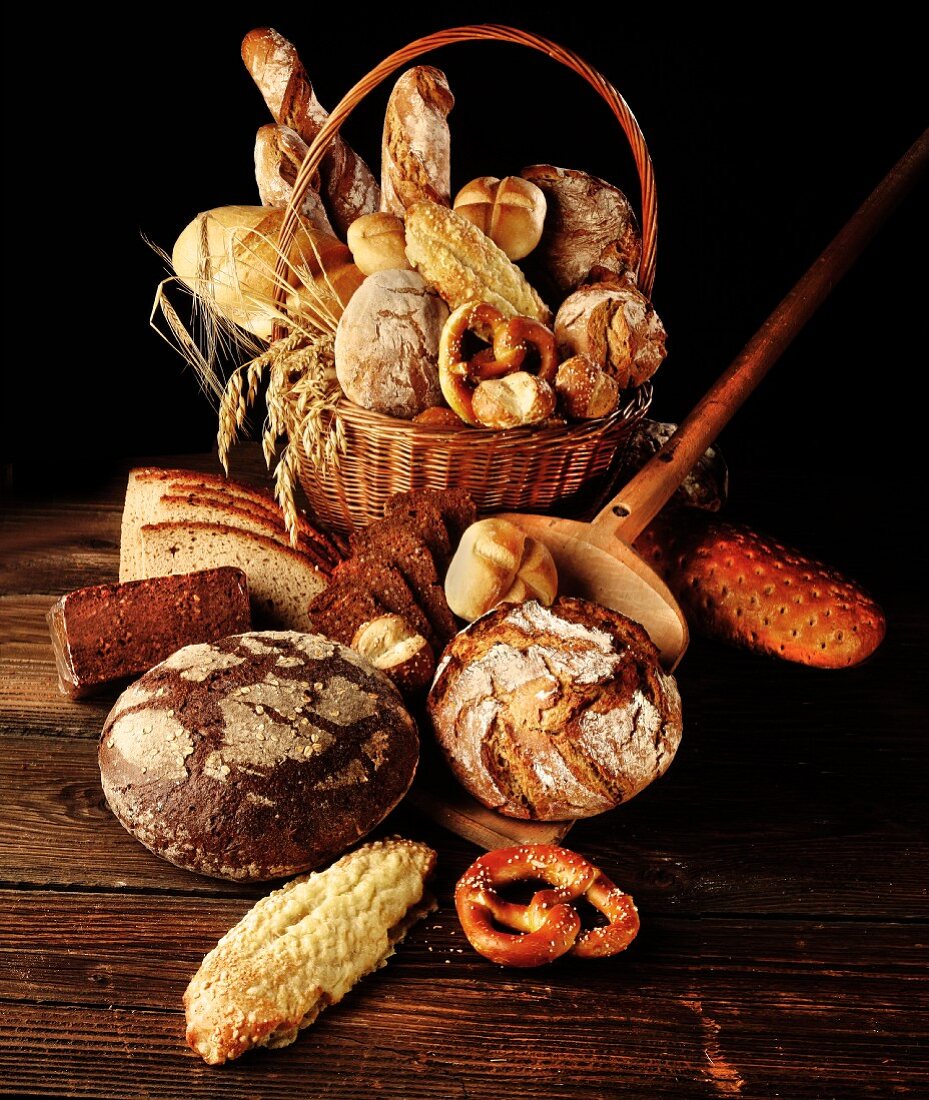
[548, 926]
[511, 338]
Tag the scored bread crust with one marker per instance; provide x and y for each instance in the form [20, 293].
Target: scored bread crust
[551, 714]
[303, 947]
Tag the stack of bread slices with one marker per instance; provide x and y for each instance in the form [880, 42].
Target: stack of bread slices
[397, 565]
[178, 521]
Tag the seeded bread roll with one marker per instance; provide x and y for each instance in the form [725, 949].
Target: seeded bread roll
[555, 713]
[741, 587]
[258, 756]
[387, 347]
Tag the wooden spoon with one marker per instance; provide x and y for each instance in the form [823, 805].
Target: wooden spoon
[596, 559]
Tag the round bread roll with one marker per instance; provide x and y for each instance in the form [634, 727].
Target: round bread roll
[590, 229]
[496, 563]
[378, 243]
[512, 401]
[510, 211]
[616, 327]
[585, 391]
[555, 713]
[258, 756]
[387, 344]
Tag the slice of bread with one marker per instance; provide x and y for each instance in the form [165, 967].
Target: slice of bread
[148, 485]
[281, 581]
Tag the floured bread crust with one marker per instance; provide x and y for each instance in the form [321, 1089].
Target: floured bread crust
[303, 947]
[555, 713]
[258, 756]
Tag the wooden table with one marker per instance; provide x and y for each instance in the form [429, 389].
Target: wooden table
[779, 868]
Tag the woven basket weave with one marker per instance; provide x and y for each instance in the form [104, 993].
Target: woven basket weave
[528, 469]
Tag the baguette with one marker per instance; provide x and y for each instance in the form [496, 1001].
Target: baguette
[737, 586]
[276, 68]
[415, 152]
[303, 947]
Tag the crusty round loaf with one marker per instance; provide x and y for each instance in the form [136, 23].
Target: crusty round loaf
[258, 756]
[387, 344]
[555, 713]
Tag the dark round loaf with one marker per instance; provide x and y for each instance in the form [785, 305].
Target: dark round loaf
[258, 756]
[555, 713]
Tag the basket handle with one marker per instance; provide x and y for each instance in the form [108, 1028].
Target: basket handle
[477, 33]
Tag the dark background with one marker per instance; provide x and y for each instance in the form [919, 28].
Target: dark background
[763, 141]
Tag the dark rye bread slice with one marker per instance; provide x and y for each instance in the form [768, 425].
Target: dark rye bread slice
[341, 609]
[393, 542]
[421, 516]
[389, 588]
[455, 507]
[261, 755]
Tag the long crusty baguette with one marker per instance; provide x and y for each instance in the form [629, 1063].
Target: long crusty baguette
[277, 70]
[416, 147]
[303, 947]
[742, 587]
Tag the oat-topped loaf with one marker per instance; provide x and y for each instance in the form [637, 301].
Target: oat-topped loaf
[258, 756]
[555, 713]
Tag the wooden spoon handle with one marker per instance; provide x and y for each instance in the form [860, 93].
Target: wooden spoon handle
[637, 504]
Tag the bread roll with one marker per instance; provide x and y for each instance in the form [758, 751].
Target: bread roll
[228, 256]
[510, 211]
[741, 587]
[590, 228]
[257, 756]
[303, 947]
[387, 344]
[513, 401]
[392, 646]
[554, 713]
[616, 327]
[585, 391]
[464, 265]
[347, 183]
[378, 243]
[279, 152]
[495, 563]
[416, 148]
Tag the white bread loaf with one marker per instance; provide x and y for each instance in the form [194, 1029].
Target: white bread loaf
[281, 582]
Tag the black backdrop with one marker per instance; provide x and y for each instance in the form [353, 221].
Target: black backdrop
[764, 141]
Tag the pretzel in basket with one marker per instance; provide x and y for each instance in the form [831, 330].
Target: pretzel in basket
[548, 926]
[511, 340]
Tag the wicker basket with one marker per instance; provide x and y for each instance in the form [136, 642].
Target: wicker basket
[530, 469]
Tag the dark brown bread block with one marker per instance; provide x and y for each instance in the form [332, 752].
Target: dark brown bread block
[738, 586]
[109, 632]
[422, 515]
[259, 756]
